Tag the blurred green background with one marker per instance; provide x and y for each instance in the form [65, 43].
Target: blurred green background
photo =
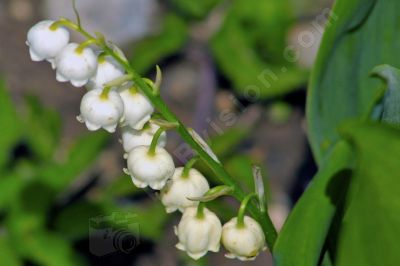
[236, 71]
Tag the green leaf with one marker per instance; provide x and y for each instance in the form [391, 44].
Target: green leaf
[8, 255]
[255, 31]
[194, 9]
[42, 128]
[302, 237]
[9, 124]
[360, 35]
[121, 187]
[10, 185]
[151, 217]
[84, 152]
[370, 230]
[47, 248]
[149, 51]
[72, 222]
[26, 221]
[391, 100]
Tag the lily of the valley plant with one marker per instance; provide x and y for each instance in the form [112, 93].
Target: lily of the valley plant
[118, 97]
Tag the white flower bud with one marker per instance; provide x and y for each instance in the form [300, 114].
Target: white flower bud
[138, 109]
[198, 235]
[98, 111]
[150, 170]
[244, 242]
[77, 67]
[45, 43]
[107, 70]
[132, 138]
[177, 191]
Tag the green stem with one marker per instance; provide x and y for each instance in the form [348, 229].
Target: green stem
[200, 210]
[85, 44]
[217, 168]
[78, 18]
[188, 166]
[154, 141]
[104, 92]
[242, 209]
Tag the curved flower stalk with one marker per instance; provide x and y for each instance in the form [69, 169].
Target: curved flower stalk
[242, 236]
[149, 164]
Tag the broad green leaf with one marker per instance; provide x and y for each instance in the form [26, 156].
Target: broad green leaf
[254, 32]
[151, 217]
[301, 240]
[360, 35]
[370, 230]
[8, 255]
[149, 51]
[391, 100]
[10, 185]
[47, 248]
[41, 128]
[193, 9]
[84, 152]
[9, 125]
[26, 221]
[72, 222]
[121, 187]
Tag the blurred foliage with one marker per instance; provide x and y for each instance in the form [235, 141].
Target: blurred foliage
[150, 51]
[43, 206]
[193, 9]
[44, 209]
[254, 31]
[280, 112]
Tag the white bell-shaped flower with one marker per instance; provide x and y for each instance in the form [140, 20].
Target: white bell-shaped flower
[181, 187]
[75, 66]
[132, 138]
[150, 169]
[100, 111]
[107, 70]
[138, 109]
[45, 43]
[243, 242]
[198, 235]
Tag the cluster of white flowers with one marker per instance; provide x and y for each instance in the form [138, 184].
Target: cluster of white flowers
[148, 163]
